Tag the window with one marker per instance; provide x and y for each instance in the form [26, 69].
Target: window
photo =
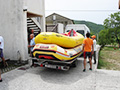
[81, 32]
[68, 30]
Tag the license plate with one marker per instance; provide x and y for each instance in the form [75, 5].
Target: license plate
[50, 66]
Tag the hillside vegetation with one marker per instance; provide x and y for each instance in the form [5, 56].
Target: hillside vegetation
[109, 58]
[94, 28]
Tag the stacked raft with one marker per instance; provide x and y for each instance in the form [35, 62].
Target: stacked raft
[54, 46]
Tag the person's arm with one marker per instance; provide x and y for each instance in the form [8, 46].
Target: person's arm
[0, 41]
[92, 49]
[30, 50]
[31, 46]
[83, 47]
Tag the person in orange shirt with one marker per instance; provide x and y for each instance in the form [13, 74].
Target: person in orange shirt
[87, 50]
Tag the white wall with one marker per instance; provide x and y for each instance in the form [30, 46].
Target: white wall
[13, 25]
[60, 28]
[12, 29]
[37, 7]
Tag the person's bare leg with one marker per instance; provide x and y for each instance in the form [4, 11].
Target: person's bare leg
[90, 63]
[84, 65]
[0, 76]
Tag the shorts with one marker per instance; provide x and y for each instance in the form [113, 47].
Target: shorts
[1, 53]
[89, 54]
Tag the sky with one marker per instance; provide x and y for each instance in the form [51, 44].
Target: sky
[95, 11]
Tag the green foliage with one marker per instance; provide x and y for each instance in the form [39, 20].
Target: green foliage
[111, 33]
[105, 38]
[94, 28]
[112, 24]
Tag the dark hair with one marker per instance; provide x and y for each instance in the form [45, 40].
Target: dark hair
[88, 34]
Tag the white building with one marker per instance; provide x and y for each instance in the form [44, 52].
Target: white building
[15, 17]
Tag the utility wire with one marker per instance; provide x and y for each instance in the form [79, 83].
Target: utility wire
[84, 10]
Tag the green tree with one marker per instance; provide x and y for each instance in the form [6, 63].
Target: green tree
[112, 24]
[103, 39]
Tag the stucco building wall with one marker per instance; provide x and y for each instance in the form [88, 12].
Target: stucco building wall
[37, 7]
[13, 26]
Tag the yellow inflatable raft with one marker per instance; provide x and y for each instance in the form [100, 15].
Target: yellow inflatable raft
[59, 39]
[55, 52]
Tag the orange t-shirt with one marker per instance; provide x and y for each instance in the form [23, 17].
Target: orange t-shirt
[87, 44]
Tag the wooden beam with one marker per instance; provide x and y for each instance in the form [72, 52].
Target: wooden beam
[119, 4]
[30, 15]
